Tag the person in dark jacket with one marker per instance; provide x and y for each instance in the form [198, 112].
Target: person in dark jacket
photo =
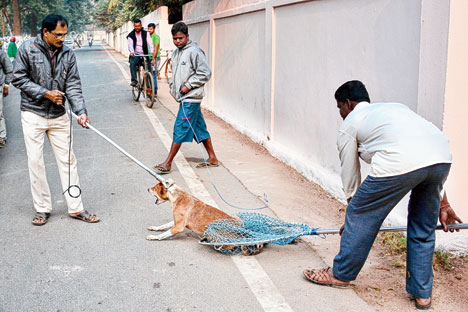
[5, 77]
[45, 72]
[139, 43]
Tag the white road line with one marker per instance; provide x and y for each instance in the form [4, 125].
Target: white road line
[261, 285]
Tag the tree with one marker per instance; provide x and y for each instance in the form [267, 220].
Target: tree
[111, 14]
[77, 13]
[16, 18]
[4, 16]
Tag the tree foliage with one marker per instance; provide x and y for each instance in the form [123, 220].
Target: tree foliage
[77, 12]
[111, 14]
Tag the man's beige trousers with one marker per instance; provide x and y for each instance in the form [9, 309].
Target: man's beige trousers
[3, 132]
[57, 130]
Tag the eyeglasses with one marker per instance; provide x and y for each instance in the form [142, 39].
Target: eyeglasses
[57, 35]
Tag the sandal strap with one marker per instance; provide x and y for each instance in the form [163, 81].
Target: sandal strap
[41, 215]
[85, 215]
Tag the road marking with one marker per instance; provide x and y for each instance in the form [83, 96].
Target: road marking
[66, 269]
[260, 284]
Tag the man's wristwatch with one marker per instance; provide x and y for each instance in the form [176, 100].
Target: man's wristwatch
[6, 85]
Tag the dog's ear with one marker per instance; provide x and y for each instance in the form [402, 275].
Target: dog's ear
[161, 190]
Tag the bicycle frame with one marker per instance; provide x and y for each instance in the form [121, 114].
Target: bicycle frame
[145, 81]
[146, 64]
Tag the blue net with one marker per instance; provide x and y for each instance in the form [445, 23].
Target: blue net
[248, 233]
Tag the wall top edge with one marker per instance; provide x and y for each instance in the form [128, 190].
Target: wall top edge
[210, 9]
[222, 14]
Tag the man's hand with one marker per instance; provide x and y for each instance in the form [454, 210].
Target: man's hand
[5, 92]
[341, 230]
[184, 90]
[447, 215]
[55, 96]
[132, 54]
[83, 120]
[153, 62]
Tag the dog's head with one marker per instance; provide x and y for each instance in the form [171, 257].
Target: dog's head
[160, 192]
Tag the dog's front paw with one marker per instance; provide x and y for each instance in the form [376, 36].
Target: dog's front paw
[154, 228]
[154, 237]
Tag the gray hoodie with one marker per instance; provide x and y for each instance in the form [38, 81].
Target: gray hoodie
[6, 69]
[190, 69]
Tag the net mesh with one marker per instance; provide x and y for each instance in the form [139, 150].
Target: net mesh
[251, 230]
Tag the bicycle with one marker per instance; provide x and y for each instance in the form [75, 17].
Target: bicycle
[166, 64]
[145, 82]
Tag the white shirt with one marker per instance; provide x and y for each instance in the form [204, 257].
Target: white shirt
[139, 44]
[391, 138]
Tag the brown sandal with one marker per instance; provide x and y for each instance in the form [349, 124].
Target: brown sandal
[421, 303]
[323, 278]
[86, 217]
[40, 218]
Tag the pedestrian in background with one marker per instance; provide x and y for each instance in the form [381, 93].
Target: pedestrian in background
[190, 72]
[12, 49]
[5, 79]
[155, 58]
[46, 70]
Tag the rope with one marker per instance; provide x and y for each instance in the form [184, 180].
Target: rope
[68, 190]
[265, 198]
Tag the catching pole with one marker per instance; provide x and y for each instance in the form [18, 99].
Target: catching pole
[167, 183]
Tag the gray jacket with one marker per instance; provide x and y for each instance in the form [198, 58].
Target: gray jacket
[189, 68]
[6, 69]
[34, 77]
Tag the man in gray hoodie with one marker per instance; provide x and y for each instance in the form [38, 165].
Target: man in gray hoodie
[5, 78]
[190, 72]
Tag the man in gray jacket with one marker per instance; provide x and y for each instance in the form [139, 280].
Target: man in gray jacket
[5, 78]
[190, 72]
[45, 71]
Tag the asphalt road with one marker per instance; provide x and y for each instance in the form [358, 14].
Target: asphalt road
[68, 265]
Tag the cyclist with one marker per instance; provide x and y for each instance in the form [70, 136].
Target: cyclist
[139, 42]
[155, 58]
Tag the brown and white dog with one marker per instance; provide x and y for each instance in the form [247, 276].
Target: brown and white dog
[189, 212]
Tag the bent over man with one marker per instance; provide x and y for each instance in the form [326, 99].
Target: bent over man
[407, 154]
[45, 71]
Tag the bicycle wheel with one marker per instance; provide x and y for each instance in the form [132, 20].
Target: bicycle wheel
[136, 90]
[149, 89]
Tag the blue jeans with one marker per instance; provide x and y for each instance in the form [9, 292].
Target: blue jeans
[133, 66]
[155, 74]
[369, 207]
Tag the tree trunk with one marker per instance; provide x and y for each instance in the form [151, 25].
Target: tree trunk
[33, 24]
[16, 18]
[3, 22]
[7, 17]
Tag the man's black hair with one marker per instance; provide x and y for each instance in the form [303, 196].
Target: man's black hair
[179, 27]
[50, 22]
[136, 20]
[151, 25]
[353, 90]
